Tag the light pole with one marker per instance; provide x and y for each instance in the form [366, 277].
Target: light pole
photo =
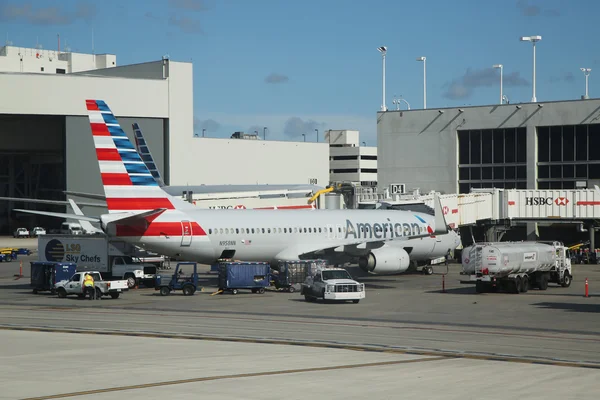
[203, 130]
[304, 135]
[424, 59]
[398, 101]
[383, 51]
[586, 72]
[532, 39]
[501, 67]
[264, 133]
[316, 130]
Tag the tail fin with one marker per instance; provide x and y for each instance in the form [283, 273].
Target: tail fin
[128, 184]
[144, 151]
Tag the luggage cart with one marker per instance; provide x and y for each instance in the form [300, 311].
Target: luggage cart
[235, 275]
[289, 275]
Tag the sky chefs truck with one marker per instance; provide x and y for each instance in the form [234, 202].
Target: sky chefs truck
[516, 266]
[97, 253]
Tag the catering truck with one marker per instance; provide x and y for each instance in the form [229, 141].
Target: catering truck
[97, 253]
[516, 266]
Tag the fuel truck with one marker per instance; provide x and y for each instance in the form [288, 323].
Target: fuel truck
[516, 267]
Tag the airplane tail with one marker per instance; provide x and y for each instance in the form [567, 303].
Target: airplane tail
[140, 206]
[144, 151]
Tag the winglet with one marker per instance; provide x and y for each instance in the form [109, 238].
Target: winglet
[441, 227]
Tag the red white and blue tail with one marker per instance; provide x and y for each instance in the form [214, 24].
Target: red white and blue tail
[128, 184]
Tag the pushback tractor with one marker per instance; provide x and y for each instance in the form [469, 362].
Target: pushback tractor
[516, 266]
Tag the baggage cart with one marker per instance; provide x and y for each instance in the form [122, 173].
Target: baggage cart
[289, 275]
[46, 274]
[244, 275]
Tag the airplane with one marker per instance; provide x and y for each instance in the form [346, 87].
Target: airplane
[142, 213]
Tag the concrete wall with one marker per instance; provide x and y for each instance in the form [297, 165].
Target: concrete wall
[356, 164]
[83, 172]
[237, 161]
[41, 61]
[419, 147]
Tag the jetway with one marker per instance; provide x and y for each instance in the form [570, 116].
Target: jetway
[518, 205]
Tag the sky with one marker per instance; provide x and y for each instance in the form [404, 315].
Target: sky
[297, 66]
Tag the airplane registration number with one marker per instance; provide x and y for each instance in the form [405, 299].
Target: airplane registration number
[227, 243]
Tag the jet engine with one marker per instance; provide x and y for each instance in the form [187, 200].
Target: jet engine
[386, 260]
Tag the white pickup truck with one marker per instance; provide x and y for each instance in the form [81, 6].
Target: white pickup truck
[103, 288]
[332, 284]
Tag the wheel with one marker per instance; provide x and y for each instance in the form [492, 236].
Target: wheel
[35, 291]
[188, 290]
[130, 281]
[115, 295]
[164, 291]
[261, 290]
[543, 285]
[525, 284]
[479, 287]
[234, 291]
[62, 293]
[308, 298]
[98, 294]
[428, 270]
[355, 301]
[517, 285]
[566, 280]
[292, 289]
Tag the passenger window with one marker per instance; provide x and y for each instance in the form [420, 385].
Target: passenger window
[268, 230]
[319, 230]
[210, 231]
[309, 230]
[253, 231]
[304, 230]
[263, 230]
[284, 230]
[76, 277]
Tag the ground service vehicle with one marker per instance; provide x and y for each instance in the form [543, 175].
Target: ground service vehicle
[235, 275]
[103, 288]
[21, 233]
[37, 231]
[71, 228]
[516, 266]
[96, 252]
[332, 284]
[186, 281]
[45, 275]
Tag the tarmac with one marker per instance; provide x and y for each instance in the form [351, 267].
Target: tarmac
[407, 337]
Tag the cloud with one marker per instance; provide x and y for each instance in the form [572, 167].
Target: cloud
[276, 78]
[463, 87]
[25, 12]
[568, 77]
[532, 10]
[296, 126]
[190, 5]
[209, 124]
[187, 25]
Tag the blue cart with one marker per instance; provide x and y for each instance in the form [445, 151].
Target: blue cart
[244, 275]
[184, 279]
[46, 274]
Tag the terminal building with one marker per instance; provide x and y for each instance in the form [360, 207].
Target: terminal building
[544, 145]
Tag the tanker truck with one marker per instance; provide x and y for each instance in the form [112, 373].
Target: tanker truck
[516, 266]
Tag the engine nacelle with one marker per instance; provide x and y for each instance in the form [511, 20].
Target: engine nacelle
[386, 260]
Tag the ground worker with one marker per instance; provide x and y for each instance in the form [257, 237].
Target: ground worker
[88, 284]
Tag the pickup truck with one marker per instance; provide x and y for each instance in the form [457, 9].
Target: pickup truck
[332, 284]
[134, 271]
[103, 288]
[21, 233]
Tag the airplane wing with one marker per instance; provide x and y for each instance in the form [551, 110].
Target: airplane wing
[57, 202]
[60, 215]
[342, 246]
[86, 225]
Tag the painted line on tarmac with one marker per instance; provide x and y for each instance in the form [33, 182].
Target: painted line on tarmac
[234, 376]
[339, 346]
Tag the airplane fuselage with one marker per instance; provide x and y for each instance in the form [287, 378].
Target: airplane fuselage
[265, 235]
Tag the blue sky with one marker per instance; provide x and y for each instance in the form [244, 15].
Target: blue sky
[297, 66]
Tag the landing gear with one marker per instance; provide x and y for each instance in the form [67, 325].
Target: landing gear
[428, 270]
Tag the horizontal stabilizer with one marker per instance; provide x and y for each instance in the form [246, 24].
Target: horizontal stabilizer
[86, 225]
[59, 215]
[56, 202]
[86, 195]
[136, 219]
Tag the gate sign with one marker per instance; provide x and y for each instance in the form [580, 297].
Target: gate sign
[396, 188]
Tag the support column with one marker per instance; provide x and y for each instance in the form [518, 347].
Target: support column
[532, 232]
[592, 232]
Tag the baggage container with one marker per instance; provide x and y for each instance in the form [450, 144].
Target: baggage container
[45, 275]
[244, 275]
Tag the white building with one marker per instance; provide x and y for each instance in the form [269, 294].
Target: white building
[350, 162]
[20, 59]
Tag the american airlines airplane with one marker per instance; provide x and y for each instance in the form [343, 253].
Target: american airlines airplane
[142, 213]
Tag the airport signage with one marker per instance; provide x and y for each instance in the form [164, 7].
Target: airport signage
[396, 188]
[546, 201]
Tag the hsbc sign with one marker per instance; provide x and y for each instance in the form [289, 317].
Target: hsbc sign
[546, 201]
